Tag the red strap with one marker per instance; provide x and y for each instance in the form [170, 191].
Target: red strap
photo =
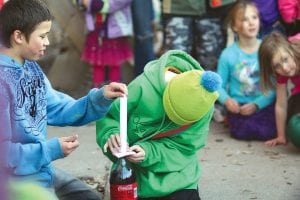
[171, 132]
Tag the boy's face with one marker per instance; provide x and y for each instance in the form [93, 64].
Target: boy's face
[38, 41]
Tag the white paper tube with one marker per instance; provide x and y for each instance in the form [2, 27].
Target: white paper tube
[123, 123]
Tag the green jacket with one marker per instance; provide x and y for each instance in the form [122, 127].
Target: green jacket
[189, 7]
[171, 163]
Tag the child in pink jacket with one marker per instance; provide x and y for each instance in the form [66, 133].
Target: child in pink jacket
[290, 13]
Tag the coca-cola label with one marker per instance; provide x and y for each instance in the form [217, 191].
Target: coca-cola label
[123, 192]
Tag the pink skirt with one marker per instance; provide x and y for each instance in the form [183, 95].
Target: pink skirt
[105, 51]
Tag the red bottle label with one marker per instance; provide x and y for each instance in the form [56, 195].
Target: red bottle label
[123, 192]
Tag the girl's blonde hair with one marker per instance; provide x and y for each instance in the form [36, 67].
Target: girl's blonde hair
[235, 11]
[268, 48]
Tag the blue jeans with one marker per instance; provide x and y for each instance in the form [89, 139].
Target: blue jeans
[142, 17]
[68, 187]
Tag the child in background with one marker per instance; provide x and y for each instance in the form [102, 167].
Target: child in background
[107, 46]
[280, 60]
[269, 17]
[250, 114]
[29, 103]
[172, 96]
[290, 14]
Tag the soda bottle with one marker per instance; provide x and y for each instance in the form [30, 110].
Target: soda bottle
[122, 181]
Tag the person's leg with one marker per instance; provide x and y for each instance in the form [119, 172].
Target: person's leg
[237, 127]
[258, 126]
[264, 124]
[68, 187]
[115, 73]
[178, 33]
[98, 75]
[142, 17]
[209, 41]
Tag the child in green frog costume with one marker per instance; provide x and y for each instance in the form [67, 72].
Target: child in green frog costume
[170, 106]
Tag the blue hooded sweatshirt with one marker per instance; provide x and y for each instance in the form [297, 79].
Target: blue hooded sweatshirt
[28, 104]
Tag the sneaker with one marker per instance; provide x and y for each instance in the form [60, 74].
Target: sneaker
[218, 116]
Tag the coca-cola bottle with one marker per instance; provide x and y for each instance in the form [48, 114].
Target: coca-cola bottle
[122, 181]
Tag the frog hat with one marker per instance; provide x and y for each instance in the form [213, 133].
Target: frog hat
[190, 95]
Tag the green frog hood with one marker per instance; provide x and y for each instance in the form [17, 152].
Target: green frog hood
[174, 58]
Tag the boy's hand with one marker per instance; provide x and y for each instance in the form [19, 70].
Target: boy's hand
[139, 155]
[69, 144]
[114, 90]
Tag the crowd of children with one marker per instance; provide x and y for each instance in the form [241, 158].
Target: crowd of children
[170, 102]
[253, 109]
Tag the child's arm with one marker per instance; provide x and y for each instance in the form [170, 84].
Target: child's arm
[63, 110]
[24, 151]
[114, 90]
[109, 125]
[281, 114]
[225, 72]
[265, 100]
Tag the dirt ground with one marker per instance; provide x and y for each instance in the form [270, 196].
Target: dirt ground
[232, 169]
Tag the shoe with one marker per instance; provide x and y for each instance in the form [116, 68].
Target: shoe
[218, 116]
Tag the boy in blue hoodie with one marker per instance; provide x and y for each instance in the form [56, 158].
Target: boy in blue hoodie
[28, 102]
